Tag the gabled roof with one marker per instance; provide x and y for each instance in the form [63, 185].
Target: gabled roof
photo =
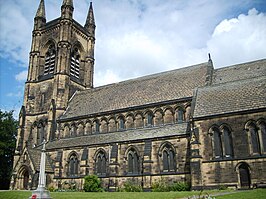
[122, 136]
[239, 72]
[231, 97]
[35, 156]
[170, 85]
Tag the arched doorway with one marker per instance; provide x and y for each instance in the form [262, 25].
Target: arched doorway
[244, 176]
[25, 179]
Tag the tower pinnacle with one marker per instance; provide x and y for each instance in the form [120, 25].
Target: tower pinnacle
[67, 9]
[68, 3]
[41, 10]
[90, 22]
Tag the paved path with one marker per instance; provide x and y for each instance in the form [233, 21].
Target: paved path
[205, 194]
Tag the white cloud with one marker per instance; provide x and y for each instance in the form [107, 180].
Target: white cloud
[18, 94]
[22, 76]
[239, 39]
[135, 38]
[106, 77]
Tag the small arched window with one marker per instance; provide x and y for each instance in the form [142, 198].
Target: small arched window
[49, 60]
[133, 162]
[66, 131]
[121, 123]
[73, 131]
[149, 119]
[75, 65]
[73, 165]
[96, 126]
[101, 163]
[168, 159]
[180, 115]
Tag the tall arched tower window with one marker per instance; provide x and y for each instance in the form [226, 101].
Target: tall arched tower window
[75, 65]
[49, 60]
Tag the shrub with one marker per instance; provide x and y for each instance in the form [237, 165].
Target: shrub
[131, 186]
[223, 187]
[159, 186]
[180, 186]
[162, 186]
[51, 188]
[92, 184]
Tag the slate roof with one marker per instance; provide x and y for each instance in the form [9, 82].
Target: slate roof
[231, 97]
[240, 72]
[35, 156]
[170, 85]
[129, 135]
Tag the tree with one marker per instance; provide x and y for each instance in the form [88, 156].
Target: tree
[8, 132]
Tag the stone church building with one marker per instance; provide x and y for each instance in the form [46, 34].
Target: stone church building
[197, 124]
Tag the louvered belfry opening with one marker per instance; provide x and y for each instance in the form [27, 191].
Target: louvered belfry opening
[50, 61]
[74, 67]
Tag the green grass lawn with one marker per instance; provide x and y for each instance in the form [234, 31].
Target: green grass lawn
[251, 194]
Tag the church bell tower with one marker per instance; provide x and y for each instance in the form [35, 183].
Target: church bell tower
[61, 62]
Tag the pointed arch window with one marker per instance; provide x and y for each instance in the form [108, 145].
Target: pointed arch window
[101, 163]
[50, 60]
[75, 63]
[254, 138]
[222, 142]
[228, 143]
[73, 165]
[133, 162]
[217, 142]
[168, 159]
[262, 127]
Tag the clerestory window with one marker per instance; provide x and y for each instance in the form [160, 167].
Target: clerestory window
[121, 123]
[149, 119]
[49, 66]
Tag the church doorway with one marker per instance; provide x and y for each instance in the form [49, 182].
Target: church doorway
[25, 179]
[244, 176]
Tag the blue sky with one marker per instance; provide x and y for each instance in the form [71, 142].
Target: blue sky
[135, 38]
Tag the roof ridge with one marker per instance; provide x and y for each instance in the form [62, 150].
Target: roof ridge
[141, 78]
